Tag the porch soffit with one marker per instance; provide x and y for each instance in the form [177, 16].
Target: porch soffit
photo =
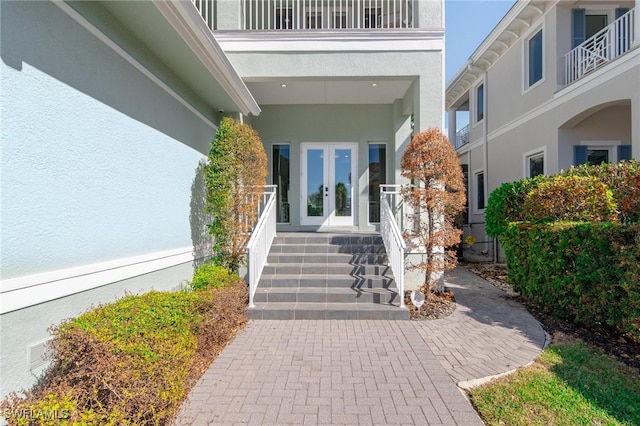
[177, 35]
[330, 92]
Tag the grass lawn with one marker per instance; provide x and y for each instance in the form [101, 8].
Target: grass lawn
[570, 384]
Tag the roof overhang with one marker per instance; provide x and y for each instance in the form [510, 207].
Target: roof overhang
[511, 27]
[175, 32]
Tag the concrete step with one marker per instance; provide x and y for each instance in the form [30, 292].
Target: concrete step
[325, 295]
[304, 238]
[332, 258]
[326, 280]
[327, 248]
[327, 311]
[325, 269]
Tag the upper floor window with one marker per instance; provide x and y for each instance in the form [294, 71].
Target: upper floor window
[480, 103]
[535, 58]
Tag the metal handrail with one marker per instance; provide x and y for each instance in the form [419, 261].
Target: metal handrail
[261, 239]
[392, 237]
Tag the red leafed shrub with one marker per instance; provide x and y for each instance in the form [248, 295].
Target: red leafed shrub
[570, 198]
[438, 196]
[624, 181]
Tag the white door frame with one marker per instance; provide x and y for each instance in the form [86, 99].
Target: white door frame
[329, 218]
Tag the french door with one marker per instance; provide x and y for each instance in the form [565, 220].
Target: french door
[328, 183]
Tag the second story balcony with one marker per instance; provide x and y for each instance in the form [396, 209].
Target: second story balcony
[603, 47]
[266, 15]
[326, 15]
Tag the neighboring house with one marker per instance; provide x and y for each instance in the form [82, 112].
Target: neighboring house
[108, 108]
[555, 84]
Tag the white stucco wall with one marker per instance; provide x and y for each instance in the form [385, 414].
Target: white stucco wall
[98, 165]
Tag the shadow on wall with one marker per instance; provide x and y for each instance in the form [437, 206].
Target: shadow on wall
[199, 219]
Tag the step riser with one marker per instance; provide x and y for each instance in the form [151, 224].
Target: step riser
[326, 249]
[323, 282]
[329, 240]
[347, 314]
[301, 297]
[349, 259]
[306, 270]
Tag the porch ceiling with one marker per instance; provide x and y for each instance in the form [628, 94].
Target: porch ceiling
[295, 91]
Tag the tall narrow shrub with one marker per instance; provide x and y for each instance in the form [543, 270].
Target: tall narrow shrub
[235, 173]
[437, 197]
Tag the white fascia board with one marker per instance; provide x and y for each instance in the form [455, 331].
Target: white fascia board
[333, 41]
[185, 19]
[22, 292]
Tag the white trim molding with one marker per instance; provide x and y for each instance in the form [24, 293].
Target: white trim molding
[186, 20]
[332, 41]
[29, 290]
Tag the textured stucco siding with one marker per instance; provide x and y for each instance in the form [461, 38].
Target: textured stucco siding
[98, 164]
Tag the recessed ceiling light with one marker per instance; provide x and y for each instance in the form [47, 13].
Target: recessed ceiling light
[374, 84]
[283, 85]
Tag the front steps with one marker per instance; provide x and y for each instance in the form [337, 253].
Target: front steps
[327, 276]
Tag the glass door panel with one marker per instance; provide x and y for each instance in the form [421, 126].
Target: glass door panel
[327, 188]
[315, 183]
[342, 178]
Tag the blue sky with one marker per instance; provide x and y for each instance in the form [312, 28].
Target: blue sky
[467, 23]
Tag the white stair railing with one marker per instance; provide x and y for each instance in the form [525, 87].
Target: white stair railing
[261, 239]
[392, 237]
[605, 46]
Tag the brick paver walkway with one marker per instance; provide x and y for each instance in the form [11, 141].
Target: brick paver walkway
[335, 372]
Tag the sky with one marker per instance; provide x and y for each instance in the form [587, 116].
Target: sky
[467, 24]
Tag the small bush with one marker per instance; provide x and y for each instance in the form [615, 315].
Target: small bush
[506, 204]
[208, 275]
[133, 361]
[569, 198]
[624, 181]
[585, 272]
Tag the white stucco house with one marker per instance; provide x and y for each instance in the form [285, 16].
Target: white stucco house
[108, 108]
[555, 84]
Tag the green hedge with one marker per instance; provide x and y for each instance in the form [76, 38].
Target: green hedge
[585, 272]
[132, 362]
[507, 203]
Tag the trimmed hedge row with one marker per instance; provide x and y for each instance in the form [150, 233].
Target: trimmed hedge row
[572, 242]
[588, 273]
[576, 188]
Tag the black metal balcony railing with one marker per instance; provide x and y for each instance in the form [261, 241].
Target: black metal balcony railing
[462, 137]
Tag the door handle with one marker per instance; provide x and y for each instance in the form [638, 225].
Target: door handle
[326, 191]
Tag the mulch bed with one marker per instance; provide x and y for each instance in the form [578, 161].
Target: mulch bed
[436, 306]
[621, 347]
